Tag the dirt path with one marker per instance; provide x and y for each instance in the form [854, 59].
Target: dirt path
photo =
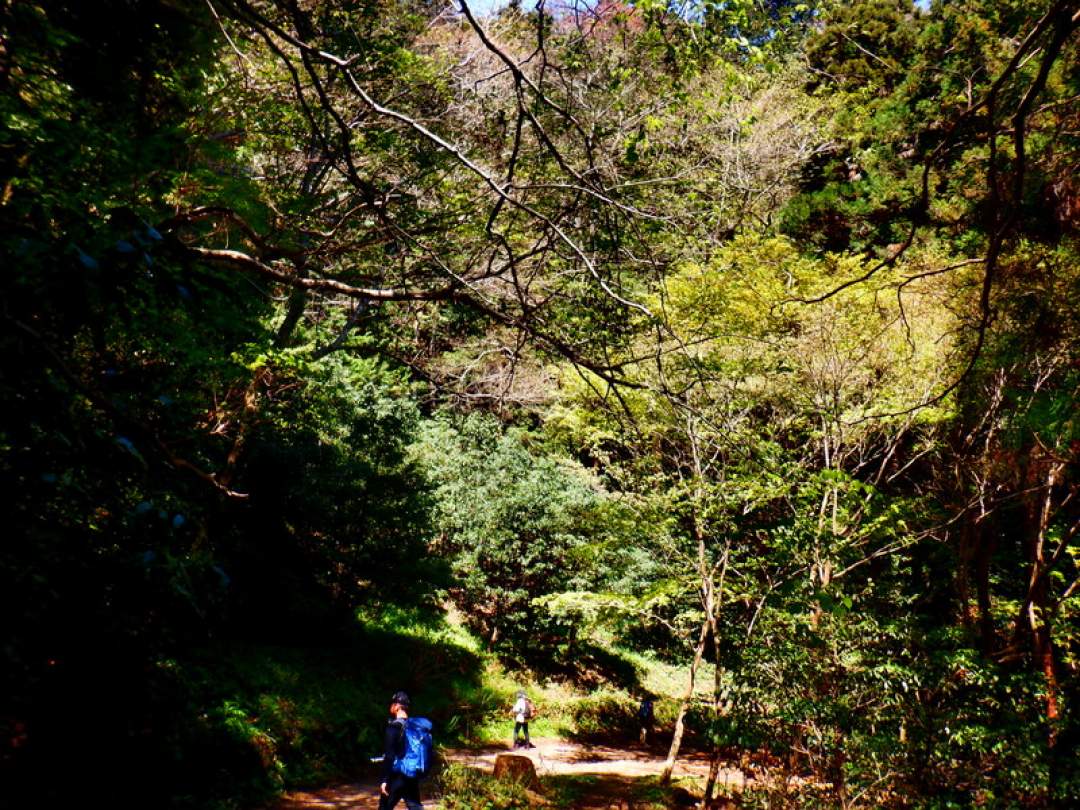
[552, 756]
[556, 757]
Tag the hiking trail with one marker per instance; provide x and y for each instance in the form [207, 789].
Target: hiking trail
[553, 757]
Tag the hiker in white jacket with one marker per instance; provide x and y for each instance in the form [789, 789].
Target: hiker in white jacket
[523, 712]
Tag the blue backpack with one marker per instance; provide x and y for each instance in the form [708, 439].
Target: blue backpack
[416, 761]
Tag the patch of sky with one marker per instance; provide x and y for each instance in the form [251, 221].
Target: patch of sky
[485, 7]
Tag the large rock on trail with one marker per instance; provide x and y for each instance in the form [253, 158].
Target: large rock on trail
[517, 767]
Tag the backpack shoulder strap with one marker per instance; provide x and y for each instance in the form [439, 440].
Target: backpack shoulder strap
[397, 721]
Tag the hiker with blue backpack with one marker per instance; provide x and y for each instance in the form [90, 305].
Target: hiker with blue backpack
[646, 718]
[407, 756]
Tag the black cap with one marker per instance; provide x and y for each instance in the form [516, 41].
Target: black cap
[400, 698]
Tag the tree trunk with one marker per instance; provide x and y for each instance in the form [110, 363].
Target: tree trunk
[1034, 615]
[714, 762]
[1044, 656]
[708, 599]
[966, 552]
[676, 740]
[983, 552]
[298, 299]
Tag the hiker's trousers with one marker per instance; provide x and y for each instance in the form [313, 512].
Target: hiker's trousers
[518, 727]
[401, 787]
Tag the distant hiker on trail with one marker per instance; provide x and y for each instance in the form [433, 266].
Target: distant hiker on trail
[407, 756]
[646, 718]
[523, 712]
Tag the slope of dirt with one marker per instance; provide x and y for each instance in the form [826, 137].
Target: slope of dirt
[557, 757]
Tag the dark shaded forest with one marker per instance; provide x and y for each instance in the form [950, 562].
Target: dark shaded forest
[351, 346]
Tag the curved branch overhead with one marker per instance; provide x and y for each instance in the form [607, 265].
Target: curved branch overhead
[504, 192]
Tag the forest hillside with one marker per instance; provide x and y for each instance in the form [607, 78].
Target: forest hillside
[723, 351]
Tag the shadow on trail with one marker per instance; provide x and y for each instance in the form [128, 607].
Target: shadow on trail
[353, 796]
[606, 753]
[613, 791]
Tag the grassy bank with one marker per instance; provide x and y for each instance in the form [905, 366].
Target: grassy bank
[257, 719]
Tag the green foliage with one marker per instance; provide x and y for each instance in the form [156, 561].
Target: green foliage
[128, 377]
[461, 787]
[250, 718]
[337, 513]
[605, 716]
[864, 44]
[515, 527]
[243, 493]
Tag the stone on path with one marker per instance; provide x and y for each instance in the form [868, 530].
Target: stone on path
[517, 767]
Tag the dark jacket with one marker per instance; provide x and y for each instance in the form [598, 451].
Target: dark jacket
[393, 748]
